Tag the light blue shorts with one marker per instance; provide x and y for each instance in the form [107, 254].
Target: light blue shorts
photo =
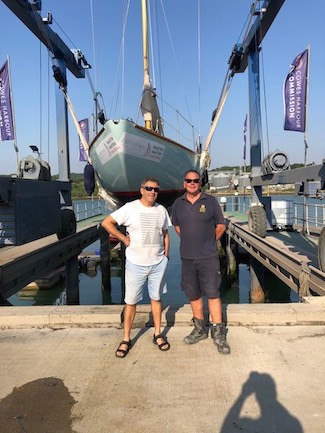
[137, 276]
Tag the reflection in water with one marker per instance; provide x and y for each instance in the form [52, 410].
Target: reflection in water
[233, 291]
[43, 405]
[273, 418]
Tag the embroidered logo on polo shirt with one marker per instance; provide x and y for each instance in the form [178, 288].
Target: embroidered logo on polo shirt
[202, 208]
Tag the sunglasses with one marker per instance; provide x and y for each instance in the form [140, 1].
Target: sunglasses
[150, 188]
[192, 180]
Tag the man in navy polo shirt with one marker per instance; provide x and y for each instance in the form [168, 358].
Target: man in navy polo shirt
[199, 221]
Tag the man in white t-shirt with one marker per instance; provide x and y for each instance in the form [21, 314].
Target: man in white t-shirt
[147, 249]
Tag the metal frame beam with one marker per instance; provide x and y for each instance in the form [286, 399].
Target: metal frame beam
[63, 58]
[260, 27]
[27, 13]
[302, 174]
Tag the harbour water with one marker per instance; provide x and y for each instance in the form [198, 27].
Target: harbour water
[237, 292]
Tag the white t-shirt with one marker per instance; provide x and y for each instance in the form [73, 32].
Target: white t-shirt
[145, 226]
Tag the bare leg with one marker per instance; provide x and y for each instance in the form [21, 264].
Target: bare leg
[156, 314]
[215, 308]
[197, 308]
[129, 314]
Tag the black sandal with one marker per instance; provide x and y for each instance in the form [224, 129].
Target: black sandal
[124, 352]
[160, 346]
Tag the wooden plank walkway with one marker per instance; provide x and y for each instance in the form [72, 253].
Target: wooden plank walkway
[20, 265]
[290, 255]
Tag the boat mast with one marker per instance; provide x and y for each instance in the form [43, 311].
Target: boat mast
[149, 106]
[146, 77]
[146, 80]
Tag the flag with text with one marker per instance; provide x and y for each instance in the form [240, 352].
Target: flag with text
[84, 126]
[294, 94]
[6, 117]
[245, 130]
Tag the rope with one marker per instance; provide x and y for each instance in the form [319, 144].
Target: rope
[221, 103]
[48, 109]
[93, 40]
[40, 97]
[175, 57]
[74, 118]
[199, 58]
[121, 56]
[303, 284]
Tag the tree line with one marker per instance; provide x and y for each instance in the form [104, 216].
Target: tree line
[238, 168]
[78, 186]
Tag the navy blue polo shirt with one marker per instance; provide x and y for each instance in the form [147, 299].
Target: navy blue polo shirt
[197, 223]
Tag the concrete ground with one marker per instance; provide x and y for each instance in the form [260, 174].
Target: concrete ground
[66, 378]
[69, 380]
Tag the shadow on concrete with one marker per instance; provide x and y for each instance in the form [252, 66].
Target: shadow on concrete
[171, 311]
[43, 405]
[273, 415]
[144, 327]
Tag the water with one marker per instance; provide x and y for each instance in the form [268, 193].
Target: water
[235, 293]
[91, 293]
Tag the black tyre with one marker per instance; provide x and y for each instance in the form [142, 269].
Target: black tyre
[68, 224]
[321, 250]
[257, 221]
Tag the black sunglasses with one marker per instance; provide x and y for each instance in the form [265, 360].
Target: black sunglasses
[192, 180]
[150, 188]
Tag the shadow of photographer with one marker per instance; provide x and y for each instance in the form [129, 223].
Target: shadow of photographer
[273, 417]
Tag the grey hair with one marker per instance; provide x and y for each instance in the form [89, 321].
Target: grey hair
[149, 179]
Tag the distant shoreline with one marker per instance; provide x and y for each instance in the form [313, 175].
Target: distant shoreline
[248, 193]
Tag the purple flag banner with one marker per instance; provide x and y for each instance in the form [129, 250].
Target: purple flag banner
[6, 118]
[84, 126]
[294, 93]
[245, 130]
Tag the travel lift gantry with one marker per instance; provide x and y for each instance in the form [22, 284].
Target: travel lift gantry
[246, 55]
[56, 214]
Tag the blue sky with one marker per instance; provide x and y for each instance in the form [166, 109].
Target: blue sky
[298, 24]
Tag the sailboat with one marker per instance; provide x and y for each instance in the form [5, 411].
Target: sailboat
[123, 153]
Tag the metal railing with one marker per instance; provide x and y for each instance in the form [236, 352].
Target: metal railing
[307, 215]
[296, 273]
[85, 209]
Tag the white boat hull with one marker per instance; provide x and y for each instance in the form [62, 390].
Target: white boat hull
[123, 154]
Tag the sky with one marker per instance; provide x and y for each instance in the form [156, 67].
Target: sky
[196, 38]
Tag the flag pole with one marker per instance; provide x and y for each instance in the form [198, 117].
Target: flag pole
[13, 114]
[305, 139]
[244, 152]
[306, 108]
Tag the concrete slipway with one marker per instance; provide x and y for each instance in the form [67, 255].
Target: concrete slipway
[59, 373]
